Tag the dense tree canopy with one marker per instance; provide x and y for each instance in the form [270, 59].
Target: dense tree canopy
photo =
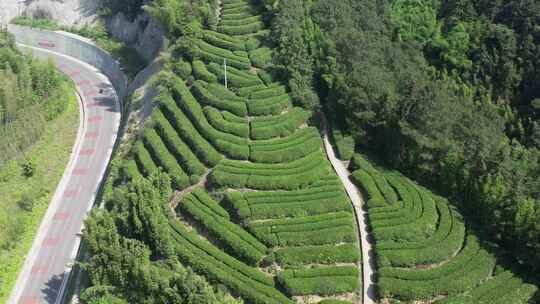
[447, 92]
[131, 255]
[31, 93]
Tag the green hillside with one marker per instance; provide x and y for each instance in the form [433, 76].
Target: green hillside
[228, 181]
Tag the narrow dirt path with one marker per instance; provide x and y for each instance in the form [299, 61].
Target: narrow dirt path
[178, 195]
[368, 261]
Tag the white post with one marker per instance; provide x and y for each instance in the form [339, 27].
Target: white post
[225, 67]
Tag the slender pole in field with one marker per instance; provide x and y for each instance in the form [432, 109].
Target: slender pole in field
[225, 67]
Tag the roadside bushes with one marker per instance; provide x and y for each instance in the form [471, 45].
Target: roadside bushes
[129, 170]
[375, 198]
[320, 280]
[344, 144]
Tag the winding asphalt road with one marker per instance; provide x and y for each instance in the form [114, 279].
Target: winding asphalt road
[47, 266]
[368, 260]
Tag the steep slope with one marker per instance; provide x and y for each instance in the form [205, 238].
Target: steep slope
[272, 222]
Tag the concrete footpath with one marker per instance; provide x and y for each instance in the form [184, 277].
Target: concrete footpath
[368, 261]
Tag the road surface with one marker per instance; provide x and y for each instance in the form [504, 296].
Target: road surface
[368, 260]
[47, 266]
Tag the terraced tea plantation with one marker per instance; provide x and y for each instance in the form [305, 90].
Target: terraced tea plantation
[258, 207]
[425, 250]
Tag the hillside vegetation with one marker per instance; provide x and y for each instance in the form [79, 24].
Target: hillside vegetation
[231, 182]
[426, 250]
[255, 205]
[446, 92]
[39, 118]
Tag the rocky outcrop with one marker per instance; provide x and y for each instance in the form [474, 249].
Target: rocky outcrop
[143, 33]
[65, 12]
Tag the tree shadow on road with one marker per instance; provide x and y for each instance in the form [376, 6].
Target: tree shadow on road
[52, 288]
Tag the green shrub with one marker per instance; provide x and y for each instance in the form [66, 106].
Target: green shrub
[278, 126]
[252, 42]
[415, 225]
[238, 22]
[236, 16]
[269, 106]
[299, 144]
[183, 154]
[217, 120]
[267, 76]
[233, 146]
[495, 290]
[324, 254]
[194, 240]
[162, 156]
[235, 239]
[235, 77]
[324, 196]
[210, 203]
[223, 41]
[244, 29]
[344, 144]
[200, 72]
[294, 175]
[367, 184]
[245, 92]
[217, 266]
[143, 159]
[205, 96]
[129, 170]
[215, 54]
[261, 57]
[310, 230]
[182, 68]
[321, 280]
[204, 151]
[243, 8]
[359, 162]
[462, 279]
